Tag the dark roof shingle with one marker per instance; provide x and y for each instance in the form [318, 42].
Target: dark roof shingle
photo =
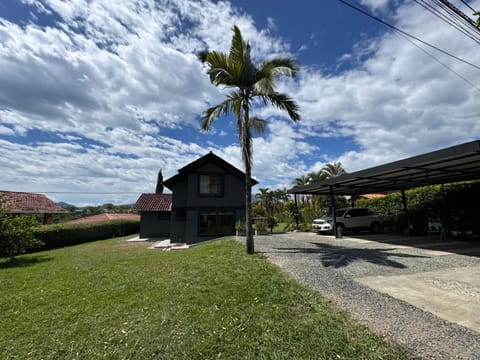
[23, 202]
[210, 157]
[153, 202]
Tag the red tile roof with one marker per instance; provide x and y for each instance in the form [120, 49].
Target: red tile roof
[153, 202]
[104, 217]
[373, 196]
[23, 202]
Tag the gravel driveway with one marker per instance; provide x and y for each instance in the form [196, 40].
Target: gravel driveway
[337, 267]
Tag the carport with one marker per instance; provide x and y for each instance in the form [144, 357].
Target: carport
[448, 165]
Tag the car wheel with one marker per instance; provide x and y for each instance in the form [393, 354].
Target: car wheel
[376, 228]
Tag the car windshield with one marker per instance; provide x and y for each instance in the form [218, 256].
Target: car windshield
[338, 213]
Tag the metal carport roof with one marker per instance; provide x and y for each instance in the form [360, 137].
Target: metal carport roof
[456, 163]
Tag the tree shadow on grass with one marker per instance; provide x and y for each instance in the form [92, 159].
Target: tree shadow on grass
[339, 256]
[24, 261]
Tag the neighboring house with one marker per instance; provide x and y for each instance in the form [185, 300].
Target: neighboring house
[208, 198]
[372, 196]
[104, 217]
[30, 203]
[155, 210]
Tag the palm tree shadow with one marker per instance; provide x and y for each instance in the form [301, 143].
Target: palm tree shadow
[339, 256]
[24, 261]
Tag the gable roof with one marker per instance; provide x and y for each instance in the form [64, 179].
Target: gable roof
[104, 217]
[153, 202]
[448, 165]
[210, 157]
[23, 202]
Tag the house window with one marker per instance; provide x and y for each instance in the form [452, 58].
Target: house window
[211, 185]
[216, 223]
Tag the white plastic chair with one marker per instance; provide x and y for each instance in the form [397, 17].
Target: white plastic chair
[435, 227]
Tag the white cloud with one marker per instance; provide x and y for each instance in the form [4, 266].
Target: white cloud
[375, 4]
[113, 79]
[399, 102]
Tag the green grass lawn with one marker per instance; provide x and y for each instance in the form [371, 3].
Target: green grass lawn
[116, 300]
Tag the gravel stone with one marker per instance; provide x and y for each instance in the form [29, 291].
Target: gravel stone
[330, 266]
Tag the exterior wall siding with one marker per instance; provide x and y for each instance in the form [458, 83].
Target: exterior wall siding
[178, 228]
[154, 224]
[187, 202]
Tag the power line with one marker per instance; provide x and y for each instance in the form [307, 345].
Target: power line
[458, 12]
[409, 35]
[450, 17]
[468, 5]
[443, 64]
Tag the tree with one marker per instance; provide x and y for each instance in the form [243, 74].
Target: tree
[301, 180]
[159, 188]
[16, 235]
[265, 197]
[252, 83]
[333, 170]
[316, 176]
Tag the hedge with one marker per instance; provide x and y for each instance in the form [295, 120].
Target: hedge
[457, 206]
[61, 235]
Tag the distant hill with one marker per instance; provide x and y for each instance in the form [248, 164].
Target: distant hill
[64, 205]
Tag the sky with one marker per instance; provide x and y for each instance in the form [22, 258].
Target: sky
[96, 96]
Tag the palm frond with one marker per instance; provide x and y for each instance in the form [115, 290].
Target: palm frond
[232, 104]
[265, 85]
[240, 60]
[259, 126]
[237, 50]
[282, 102]
[220, 71]
[281, 65]
[214, 112]
[269, 70]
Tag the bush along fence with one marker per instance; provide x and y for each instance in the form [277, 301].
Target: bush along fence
[61, 235]
[456, 206]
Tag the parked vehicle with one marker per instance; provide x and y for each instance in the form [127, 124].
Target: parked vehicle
[321, 225]
[356, 219]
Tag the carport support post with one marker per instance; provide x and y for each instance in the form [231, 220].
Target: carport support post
[297, 214]
[405, 210]
[334, 216]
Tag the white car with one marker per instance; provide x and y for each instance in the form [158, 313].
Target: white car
[356, 219]
[321, 225]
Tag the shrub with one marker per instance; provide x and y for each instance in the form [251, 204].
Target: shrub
[240, 226]
[260, 226]
[16, 234]
[61, 235]
[456, 205]
[271, 223]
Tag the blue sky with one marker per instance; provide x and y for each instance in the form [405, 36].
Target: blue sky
[97, 96]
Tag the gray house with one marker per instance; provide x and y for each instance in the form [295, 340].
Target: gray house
[208, 197]
[155, 210]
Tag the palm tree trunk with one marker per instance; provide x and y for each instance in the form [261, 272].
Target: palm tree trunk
[247, 158]
[248, 211]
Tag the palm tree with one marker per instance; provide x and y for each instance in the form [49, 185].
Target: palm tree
[251, 82]
[316, 176]
[333, 170]
[264, 195]
[301, 180]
